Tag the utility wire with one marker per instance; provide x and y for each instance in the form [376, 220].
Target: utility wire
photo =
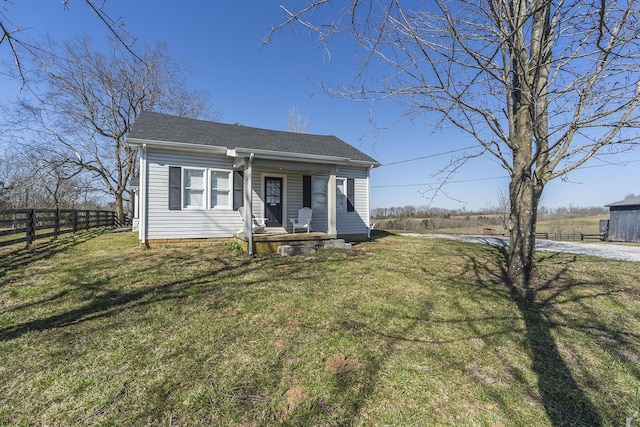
[476, 179]
[438, 183]
[429, 156]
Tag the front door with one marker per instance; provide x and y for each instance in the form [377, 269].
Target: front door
[273, 201]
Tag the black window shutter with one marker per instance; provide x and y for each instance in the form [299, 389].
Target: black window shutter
[306, 191]
[175, 188]
[351, 195]
[238, 189]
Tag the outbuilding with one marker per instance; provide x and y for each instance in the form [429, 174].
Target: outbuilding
[624, 220]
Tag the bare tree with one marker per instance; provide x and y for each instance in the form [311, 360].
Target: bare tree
[12, 34]
[88, 102]
[297, 122]
[503, 208]
[5, 184]
[33, 179]
[542, 85]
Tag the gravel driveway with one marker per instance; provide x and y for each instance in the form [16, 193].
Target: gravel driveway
[604, 250]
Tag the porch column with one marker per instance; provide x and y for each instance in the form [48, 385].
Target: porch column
[248, 208]
[331, 204]
[144, 197]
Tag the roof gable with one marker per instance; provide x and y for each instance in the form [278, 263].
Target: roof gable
[151, 126]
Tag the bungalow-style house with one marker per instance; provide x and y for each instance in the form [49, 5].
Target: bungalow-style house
[195, 175]
[624, 221]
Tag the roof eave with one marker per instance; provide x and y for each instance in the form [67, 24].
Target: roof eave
[240, 152]
[181, 146]
[289, 156]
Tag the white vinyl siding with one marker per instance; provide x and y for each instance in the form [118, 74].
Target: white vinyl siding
[356, 222]
[216, 221]
[163, 223]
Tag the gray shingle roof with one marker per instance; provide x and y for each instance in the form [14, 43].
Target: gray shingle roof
[634, 201]
[162, 127]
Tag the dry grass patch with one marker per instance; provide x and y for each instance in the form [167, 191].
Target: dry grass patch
[339, 364]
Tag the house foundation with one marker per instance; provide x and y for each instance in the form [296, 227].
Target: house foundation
[290, 244]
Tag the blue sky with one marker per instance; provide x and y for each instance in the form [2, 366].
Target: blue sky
[256, 85]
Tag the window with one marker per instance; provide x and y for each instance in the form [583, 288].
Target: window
[314, 193]
[193, 181]
[341, 194]
[319, 193]
[220, 189]
[191, 188]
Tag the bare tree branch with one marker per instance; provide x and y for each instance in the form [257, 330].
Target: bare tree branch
[11, 34]
[542, 85]
[88, 101]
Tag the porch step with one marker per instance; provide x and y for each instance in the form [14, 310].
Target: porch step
[301, 243]
[306, 249]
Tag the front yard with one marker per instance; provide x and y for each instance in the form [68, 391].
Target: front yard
[398, 331]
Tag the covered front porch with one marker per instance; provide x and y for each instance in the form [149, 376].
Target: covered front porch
[271, 240]
[273, 192]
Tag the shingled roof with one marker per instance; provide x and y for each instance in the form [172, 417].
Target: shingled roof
[633, 201]
[151, 126]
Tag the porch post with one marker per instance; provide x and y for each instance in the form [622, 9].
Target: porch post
[248, 208]
[143, 198]
[331, 204]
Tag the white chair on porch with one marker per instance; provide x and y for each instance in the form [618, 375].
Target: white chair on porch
[304, 219]
[258, 227]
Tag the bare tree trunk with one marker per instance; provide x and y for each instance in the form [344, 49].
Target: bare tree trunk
[524, 195]
[542, 86]
[119, 203]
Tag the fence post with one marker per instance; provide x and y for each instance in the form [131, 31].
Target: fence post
[56, 224]
[31, 226]
[87, 219]
[74, 221]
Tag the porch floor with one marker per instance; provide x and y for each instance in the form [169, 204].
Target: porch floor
[267, 243]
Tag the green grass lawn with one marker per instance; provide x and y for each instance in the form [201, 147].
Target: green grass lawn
[398, 331]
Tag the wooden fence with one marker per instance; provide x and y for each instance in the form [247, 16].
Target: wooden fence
[581, 236]
[27, 225]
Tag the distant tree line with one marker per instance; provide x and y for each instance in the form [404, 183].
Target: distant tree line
[431, 212]
[37, 183]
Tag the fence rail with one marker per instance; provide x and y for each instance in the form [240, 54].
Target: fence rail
[581, 236]
[32, 224]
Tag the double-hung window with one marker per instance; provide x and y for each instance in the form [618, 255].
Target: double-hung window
[203, 188]
[220, 189]
[194, 184]
[319, 193]
[314, 193]
[341, 194]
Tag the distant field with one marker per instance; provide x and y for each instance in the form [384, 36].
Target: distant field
[477, 224]
[570, 225]
[398, 331]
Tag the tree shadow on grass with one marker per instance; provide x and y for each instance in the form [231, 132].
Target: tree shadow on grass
[109, 302]
[17, 256]
[565, 402]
